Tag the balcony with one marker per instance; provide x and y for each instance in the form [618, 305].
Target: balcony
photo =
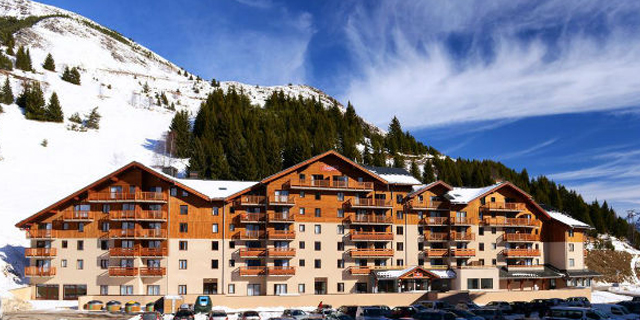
[369, 203]
[330, 185]
[153, 271]
[428, 205]
[280, 217]
[281, 235]
[511, 222]
[436, 252]
[521, 253]
[359, 270]
[247, 217]
[251, 252]
[39, 271]
[281, 271]
[370, 219]
[124, 252]
[518, 267]
[370, 236]
[40, 252]
[503, 206]
[462, 253]
[250, 200]
[281, 252]
[462, 236]
[462, 221]
[374, 253]
[436, 236]
[40, 234]
[282, 200]
[76, 216]
[250, 235]
[138, 233]
[521, 237]
[252, 271]
[153, 252]
[138, 215]
[123, 271]
[150, 197]
[435, 221]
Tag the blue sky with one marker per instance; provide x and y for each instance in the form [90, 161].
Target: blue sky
[552, 86]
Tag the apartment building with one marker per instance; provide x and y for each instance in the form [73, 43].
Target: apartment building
[325, 226]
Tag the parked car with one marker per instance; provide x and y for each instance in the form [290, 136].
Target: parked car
[202, 304]
[339, 316]
[348, 310]
[386, 309]
[467, 305]
[402, 312]
[436, 315]
[464, 314]
[502, 305]
[636, 299]
[218, 315]
[249, 315]
[370, 313]
[615, 311]
[184, 314]
[578, 302]
[435, 304]
[520, 307]
[294, 314]
[152, 315]
[489, 313]
[574, 313]
[632, 306]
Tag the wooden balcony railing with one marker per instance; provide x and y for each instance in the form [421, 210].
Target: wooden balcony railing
[252, 271]
[281, 271]
[370, 236]
[153, 271]
[371, 252]
[525, 266]
[142, 215]
[40, 252]
[503, 206]
[462, 236]
[252, 252]
[123, 271]
[124, 252]
[39, 271]
[511, 222]
[369, 203]
[436, 252]
[521, 237]
[281, 235]
[127, 197]
[40, 234]
[436, 221]
[73, 215]
[370, 219]
[436, 236]
[122, 233]
[282, 217]
[462, 220]
[250, 235]
[428, 205]
[153, 252]
[281, 200]
[281, 252]
[327, 184]
[138, 233]
[122, 214]
[521, 252]
[463, 252]
[250, 200]
[252, 217]
[359, 270]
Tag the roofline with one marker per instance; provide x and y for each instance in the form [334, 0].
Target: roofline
[429, 186]
[134, 164]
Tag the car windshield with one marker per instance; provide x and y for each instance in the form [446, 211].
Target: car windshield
[218, 314]
[428, 316]
[183, 313]
[297, 312]
[569, 314]
[373, 312]
[250, 314]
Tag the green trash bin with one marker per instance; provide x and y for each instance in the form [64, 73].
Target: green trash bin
[150, 307]
[114, 306]
[132, 307]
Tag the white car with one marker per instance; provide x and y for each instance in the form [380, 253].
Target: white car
[615, 311]
[574, 313]
[294, 314]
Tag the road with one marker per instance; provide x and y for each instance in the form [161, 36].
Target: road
[62, 315]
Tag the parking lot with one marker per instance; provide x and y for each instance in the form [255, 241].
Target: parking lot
[60, 315]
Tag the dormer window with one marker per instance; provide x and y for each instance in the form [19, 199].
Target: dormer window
[570, 232]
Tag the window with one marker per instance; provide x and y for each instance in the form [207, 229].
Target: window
[126, 290]
[104, 244]
[215, 211]
[317, 263]
[317, 246]
[301, 263]
[340, 263]
[399, 262]
[572, 262]
[185, 194]
[104, 264]
[73, 291]
[493, 230]
[182, 289]
[174, 192]
[340, 213]
[184, 209]
[153, 290]
[340, 229]
[80, 227]
[65, 226]
[232, 263]
[400, 230]
[64, 244]
[317, 229]
[318, 213]
[340, 246]
[481, 262]
[214, 264]
[493, 262]
[214, 228]
[481, 231]
[399, 198]
[570, 232]
[421, 262]
[572, 247]
[232, 244]
[182, 264]
[301, 194]
[340, 286]
[481, 246]
[80, 264]
[318, 196]
[486, 283]
[340, 196]
[80, 245]
[301, 288]
[400, 246]
[280, 289]
[214, 246]
[473, 284]
[301, 245]
[301, 228]
[253, 289]
[494, 246]
[183, 245]
[420, 246]
[232, 227]
[399, 215]
[106, 208]
[104, 290]
[184, 227]
[63, 263]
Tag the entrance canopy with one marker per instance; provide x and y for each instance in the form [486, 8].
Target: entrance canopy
[415, 273]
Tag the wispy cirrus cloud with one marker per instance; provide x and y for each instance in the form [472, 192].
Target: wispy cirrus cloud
[528, 151]
[433, 63]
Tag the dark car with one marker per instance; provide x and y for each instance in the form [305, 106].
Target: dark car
[636, 299]
[184, 314]
[348, 310]
[465, 314]
[202, 304]
[632, 306]
[339, 316]
[520, 307]
[152, 315]
[402, 312]
[489, 313]
[435, 315]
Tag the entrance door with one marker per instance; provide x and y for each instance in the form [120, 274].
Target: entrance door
[210, 288]
[253, 289]
[320, 286]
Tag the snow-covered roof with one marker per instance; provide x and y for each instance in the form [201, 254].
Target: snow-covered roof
[565, 219]
[394, 175]
[394, 274]
[214, 189]
[464, 195]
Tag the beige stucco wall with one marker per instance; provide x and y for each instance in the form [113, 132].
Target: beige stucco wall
[558, 254]
[198, 256]
[460, 282]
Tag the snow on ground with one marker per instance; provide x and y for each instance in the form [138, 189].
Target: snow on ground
[598, 296]
[53, 304]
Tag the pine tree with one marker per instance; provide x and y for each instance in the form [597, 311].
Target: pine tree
[93, 119]
[75, 118]
[53, 112]
[6, 96]
[31, 100]
[5, 62]
[181, 134]
[71, 75]
[49, 64]
[415, 171]
[398, 161]
[427, 173]
[23, 59]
